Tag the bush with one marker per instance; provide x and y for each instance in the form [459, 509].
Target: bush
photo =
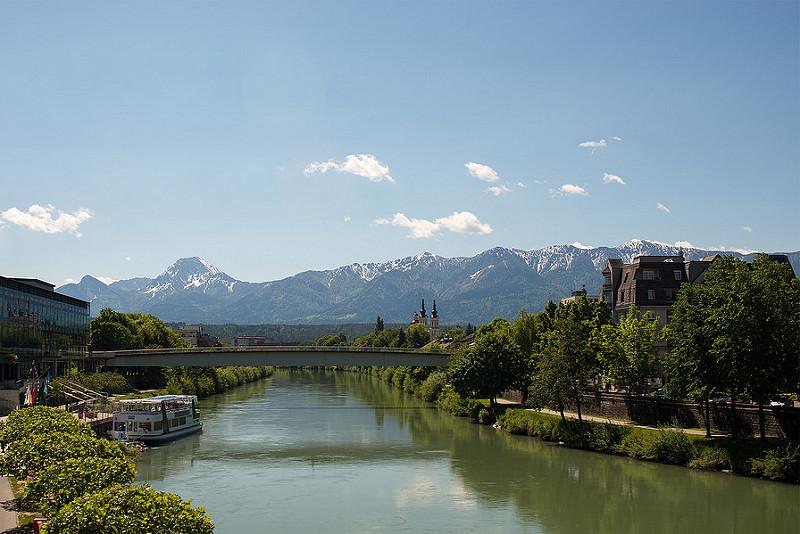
[30, 455]
[61, 483]
[102, 382]
[780, 463]
[430, 388]
[671, 447]
[36, 420]
[130, 510]
[485, 417]
[455, 404]
[710, 458]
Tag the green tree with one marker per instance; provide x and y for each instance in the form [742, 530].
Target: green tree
[379, 324]
[333, 340]
[738, 331]
[113, 330]
[401, 338]
[567, 365]
[417, 336]
[130, 510]
[627, 351]
[492, 364]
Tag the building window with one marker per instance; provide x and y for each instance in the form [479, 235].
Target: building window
[648, 275]
[651, 294]
[677, 274]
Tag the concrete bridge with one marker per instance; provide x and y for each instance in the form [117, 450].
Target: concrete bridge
[293, 356]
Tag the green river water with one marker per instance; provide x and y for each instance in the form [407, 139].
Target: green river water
[339, 452]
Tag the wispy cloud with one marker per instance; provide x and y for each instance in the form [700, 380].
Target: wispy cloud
[609, 178]
[572, 189]
[594, 145]
[482, 172]
[616, 138]
[540, 182]
[127, 258]
[48, 219]
[462, 222]
[70, 281]
[747, 229]
[365, 165]
[521, 184]
[662, 207]
[347, 218]
[497, 190]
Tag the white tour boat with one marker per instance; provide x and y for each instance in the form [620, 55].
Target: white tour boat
[155, 419]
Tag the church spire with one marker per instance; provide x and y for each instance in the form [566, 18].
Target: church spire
[422, 311]
[434, 313]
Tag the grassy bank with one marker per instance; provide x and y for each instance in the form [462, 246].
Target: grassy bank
[771, 460]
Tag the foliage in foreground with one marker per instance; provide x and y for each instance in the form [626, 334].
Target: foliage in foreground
[130, 510]
[63, 482]
[27, 422]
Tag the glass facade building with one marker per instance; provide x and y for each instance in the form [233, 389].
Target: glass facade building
[39, 325]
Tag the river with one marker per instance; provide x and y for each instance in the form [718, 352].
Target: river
[325, 452]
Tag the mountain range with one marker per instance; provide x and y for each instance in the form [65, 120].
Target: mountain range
[495, 283]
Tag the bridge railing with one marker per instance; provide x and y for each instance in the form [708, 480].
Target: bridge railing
[267, 348]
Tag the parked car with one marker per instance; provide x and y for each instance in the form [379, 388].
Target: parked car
[719, 398]
[781, 401]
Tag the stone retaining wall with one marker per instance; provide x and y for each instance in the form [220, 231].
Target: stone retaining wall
[779, 421]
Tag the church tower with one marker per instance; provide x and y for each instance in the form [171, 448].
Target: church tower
[434, 328]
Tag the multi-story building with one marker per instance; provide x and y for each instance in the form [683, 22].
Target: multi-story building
[39, 325]
[575, 295]
[251, 341]
[194, 335]
[431, 323]
[651, 283]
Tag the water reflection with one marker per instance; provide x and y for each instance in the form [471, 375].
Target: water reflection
[342, 452]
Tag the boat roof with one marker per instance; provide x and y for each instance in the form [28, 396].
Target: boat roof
[161, 398]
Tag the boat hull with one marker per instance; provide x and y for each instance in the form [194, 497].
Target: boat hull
[160, 438]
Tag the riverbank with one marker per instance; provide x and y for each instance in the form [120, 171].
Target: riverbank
[770, 460]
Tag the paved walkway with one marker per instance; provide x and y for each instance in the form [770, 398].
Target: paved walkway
[8, 518]
[598, 419]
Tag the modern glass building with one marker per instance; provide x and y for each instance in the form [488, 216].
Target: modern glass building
[39, 325]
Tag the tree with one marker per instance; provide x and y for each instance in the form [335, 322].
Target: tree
[627, 351]
[130, 510]
[401, 338]
[65, 481]
[333, 340]
[493, 364]
[417, 335]
[738, 331]
[113, 330]
[567, 365]
[378, 325]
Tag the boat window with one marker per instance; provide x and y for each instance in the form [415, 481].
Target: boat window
[119, 426]
[145, 426]
[157, 425]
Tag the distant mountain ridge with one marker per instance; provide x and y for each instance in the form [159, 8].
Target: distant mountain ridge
[496, 282]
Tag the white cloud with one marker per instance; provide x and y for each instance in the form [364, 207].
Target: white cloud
[609, 178]
[540, 182]
[347, 218]
[70, 281]
[578, 244]
[365, 165]
[662, 207]
[522, 185]
[106, 280]
[684, 244]
[482, 172]
[462, 222]
[127, 258]
[723, 248]
[594, 145]
[747, 229]
[41, 219]
[497, 190]
[616, 138]
[572, 189]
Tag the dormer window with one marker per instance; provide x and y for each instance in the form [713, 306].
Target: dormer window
[648, 274]
[678, 275]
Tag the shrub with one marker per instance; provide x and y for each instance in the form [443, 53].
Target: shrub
[455, 404]
[30, 455]
[485, 417]
[780, 463]
[105, 382]
[130, 510]
[430, 388]
[36, 420]
[710, 458]
[605, 437]
[671, 447]
[61, 483]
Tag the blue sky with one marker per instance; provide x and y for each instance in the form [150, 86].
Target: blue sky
[272, 138]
